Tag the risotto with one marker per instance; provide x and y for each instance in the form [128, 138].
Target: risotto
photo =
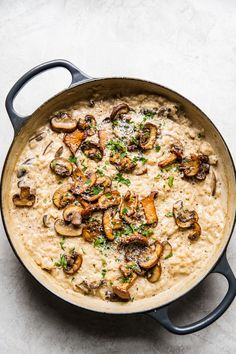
[119, 199]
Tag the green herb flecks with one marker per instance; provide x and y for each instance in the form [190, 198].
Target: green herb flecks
[62, 243]
[140, 158]
[120, 179]
[62, 263]
[170, 181]
[157, 148]
[117, 146]
[73, 159]
[169, 214]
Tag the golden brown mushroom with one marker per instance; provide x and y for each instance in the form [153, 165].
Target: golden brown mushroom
[88, 123]
[148, 136]
[122, 163]
[176, 153]
[73, 213]
[184, 218]
[122, 108]
[92, 230]
[149, 208]
[25, 198]
[68, 230]
[82, 182]
[61, 167]
[107, 224]
[109, 199]
[196, 232]
[133, 239]
[74, 140]
[63, 122]
[92, 150]
[190, 166]
[73, 263]
[63, 196]
[154, 274]
[123, 290]
[148, 260]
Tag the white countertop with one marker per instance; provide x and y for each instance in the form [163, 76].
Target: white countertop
[189, 46]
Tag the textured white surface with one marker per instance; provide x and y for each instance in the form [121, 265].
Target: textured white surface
[187, 45]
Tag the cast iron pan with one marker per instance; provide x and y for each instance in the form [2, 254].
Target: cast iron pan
[160, 314]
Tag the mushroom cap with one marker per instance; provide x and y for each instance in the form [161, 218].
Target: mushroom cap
[148, 136]
[74, 140]
[122, 108]
[61, 167]
[62, 196]
[92, 150]
[68, 230]
[25, 198]
[63, 122]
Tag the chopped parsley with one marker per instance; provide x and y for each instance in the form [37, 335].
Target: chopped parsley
[124, 211]
[169, 214]
[157, 148]
[62, 243]
[100, 172]
[88, 182]
[117, 146]
[96, 190]
[62, 263]
[126, 279]
[148, 116]
[73, 159]
[84, 167]
[170, 181]
[158, 176]
[169, 255]
[103, 273]
[120, 179]
[140, 158]
[101, 243]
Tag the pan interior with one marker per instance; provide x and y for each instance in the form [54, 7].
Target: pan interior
[105, 88]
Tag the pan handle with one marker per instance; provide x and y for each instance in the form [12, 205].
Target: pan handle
[17, 120]
[161, 315]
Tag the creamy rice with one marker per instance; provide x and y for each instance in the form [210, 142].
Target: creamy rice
[45, 246]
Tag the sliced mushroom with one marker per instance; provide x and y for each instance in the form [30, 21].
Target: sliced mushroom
[38, 137]
[197, 166]
[129, 204]
[21, 172]
[110, 199]
[74, 140]
[93, 193]
[63, 122]
[63, 196]
[92, 150]
[124, 164]
[176, 153]
[133, 239]
[82, 182]
[148, 136]
[213, 184]
[167, 250]
[72, 213]
[122, 108]
[167, 161]
[90, 288]
[110, 223]
[59, 152]
[69, 230]
[149, 208]
[154, 274]
[150, 260]
[61, 167]
[184, 218]
[104, 137]
[88, 123]
[123, 290]
[73, 263]
[47, 221]
[92, 231]
[47, 148]
[25, 198]
[196, 232]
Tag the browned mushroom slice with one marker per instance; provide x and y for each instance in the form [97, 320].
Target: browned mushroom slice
[149, 260]
[25, 198]
[167, 250]
[184, 218]
[148, 136]
[73, 263]
[74, 140]
[177, 149]
[110, 223]
[125, 163]
[190, 166]
[149, 208]
[109, 199]
[122, 108]
[68, 230]
[63, 196]
[63, 122]
[92, 231]
[213, 184]
[96, 191]
[90, 288]
[82, 182]
[154, 274]
[123, 290]
[129, 202]
[133, 239]
[167, 161]
[61, 167]
[59, 152]
[73, 213]
[92, 150]
[140, 170]
[47, 220]
[104, 137]
[88, 123]
[196, 232]
[203, 168]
